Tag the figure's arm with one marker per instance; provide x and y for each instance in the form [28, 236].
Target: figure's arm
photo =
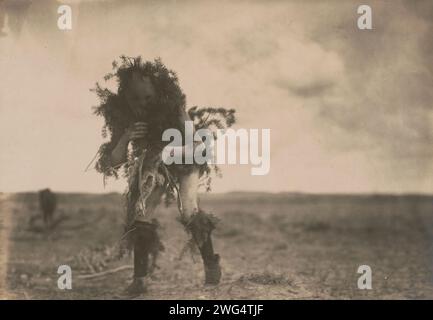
[119, 154]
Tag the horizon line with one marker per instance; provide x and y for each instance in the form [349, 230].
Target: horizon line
[355, 193]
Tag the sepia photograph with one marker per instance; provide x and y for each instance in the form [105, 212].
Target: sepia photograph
[242, 150]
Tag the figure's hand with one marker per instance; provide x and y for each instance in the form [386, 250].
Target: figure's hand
[137, 131]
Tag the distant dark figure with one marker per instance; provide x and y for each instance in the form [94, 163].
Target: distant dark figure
[48, 204]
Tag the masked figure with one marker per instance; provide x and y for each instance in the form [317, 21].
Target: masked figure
[147, 102]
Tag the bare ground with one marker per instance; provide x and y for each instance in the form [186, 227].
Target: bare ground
[285, 246]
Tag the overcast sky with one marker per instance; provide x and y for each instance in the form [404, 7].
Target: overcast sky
[349, 110]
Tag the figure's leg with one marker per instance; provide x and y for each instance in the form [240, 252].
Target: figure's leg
[146, 243]
[200, 225]
[45, 218]
[51, 219]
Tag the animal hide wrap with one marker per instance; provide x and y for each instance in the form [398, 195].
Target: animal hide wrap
[198, 226]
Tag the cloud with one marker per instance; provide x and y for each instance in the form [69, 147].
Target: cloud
[384, 100]
[348, 109]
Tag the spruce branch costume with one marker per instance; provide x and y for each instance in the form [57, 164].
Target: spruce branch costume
[149, 179]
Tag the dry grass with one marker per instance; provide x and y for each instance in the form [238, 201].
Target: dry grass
[272, 247]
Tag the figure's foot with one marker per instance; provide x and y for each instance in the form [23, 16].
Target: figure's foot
[212, 271]
[137, 287]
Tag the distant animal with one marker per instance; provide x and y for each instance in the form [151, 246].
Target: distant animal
[47, 204]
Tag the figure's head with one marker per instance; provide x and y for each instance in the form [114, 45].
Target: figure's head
[148, 87]
[139, 93]
[147, 91]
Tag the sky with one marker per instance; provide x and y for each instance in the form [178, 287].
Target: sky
[349, 110]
